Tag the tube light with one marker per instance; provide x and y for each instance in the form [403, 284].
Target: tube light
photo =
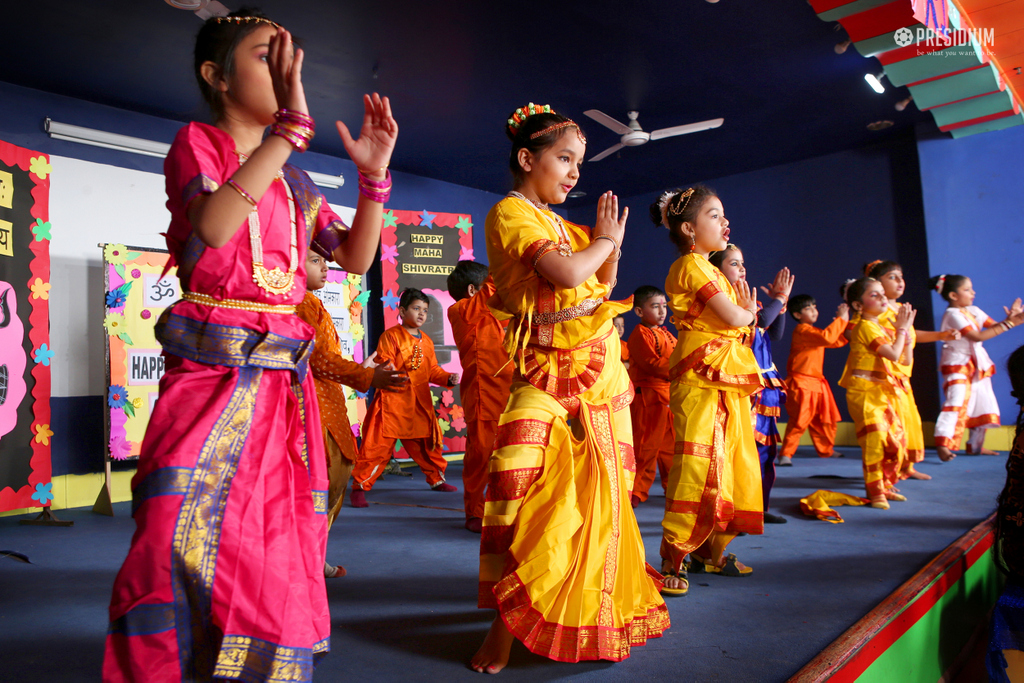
[875, 82]
[126, 143]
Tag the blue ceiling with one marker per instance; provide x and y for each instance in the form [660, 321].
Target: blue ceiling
[454, 71]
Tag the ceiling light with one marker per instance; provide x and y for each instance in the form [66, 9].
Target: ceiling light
[903, 104]
[840, 48]
[879, 125]
[875, 82]
[150, 148]
[576, 194]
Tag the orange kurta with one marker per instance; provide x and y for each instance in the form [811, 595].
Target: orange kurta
[653, 437]
[331, 370]
[809, 402]
[406, 413]
[624, 349]
[485, 386]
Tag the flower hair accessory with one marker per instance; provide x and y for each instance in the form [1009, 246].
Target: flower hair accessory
[246, 20]
[666, 200]
[940, 283]
[846, 286]
[523, 113]
[869, 267]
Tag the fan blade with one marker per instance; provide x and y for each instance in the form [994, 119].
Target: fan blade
[688, 128]
[608, 122]
[611, 150]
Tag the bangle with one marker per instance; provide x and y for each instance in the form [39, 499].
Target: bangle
[611, 239]
[366, 173]
[617, 254]
[238, 188]
[295, 127]
[375, 190]
[904, 332]
[1008, 325]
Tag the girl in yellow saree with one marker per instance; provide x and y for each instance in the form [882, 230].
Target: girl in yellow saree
[561, 558]
[714, 486]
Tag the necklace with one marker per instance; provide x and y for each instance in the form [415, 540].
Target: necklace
[564, 244]
[274, 281]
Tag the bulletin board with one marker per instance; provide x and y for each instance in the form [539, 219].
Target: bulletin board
[420, 249]
[25, 351]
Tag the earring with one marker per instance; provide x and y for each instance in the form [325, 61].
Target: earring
[693, 244]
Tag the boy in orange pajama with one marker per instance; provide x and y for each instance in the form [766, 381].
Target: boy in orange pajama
[650, 347]
[809, 401]
[486, 377]
[406, 413]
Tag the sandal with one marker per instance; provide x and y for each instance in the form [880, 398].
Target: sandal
[672, 573]
[698, 564]
[730, 568]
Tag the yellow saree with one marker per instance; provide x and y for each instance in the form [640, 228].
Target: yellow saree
[561, 557]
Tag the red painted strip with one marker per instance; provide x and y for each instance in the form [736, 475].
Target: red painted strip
[1003, 87]
[951, 73]
[879, 20]
[910, 51]
[820, 6]
[980, 119]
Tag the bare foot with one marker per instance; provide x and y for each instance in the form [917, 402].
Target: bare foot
[893, 494]
[492, 656]
[988, 451]
[880, 503]
[914, 474]
[945, 455]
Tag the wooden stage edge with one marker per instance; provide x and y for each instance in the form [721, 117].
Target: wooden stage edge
[851, 655]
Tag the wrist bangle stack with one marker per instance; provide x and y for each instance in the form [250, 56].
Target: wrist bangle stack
[1007, 324]
[238, 188]
[616, 252]
[904, 332]
[295, 127]
[375, 190]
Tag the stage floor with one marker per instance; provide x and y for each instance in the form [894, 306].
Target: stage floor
[407, 609]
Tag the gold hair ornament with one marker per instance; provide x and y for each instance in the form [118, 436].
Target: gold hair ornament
[679, 208]
[246, 20]
[558, 126]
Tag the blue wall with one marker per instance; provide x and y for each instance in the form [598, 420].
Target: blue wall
[824, 218]
[974, 204]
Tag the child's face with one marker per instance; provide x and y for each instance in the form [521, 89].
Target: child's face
[249, 88]
[711, 232]
[620, 326]
[808, 314]
[963, 295]
[553, 172]
[415, 314]
[873, 301]
[733, 266]
[893, 284]
[653, 311]
[316, 271]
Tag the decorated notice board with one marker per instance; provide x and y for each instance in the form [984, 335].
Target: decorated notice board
[25, 351]
[420, 249]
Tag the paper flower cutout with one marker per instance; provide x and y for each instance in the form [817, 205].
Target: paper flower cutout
[116, 298]
[120, 447]
[355, 429]
[40, 289]
[357, 331]
[117, 396]
[388, 253]
[465, 254]
[136, 273]
[41, 230]
[354, 280]
[44, 493]
[114, 323]
[458, 424]
[43, 434]
[115, 253]
[43, 355]
[464, 224]
[434, 398]
[445, 426]
[390, 220]
[41, 167]
[390, 300]
[457, 412]
[427, 219]
[137, 402]
[146, 314]
[448, 397]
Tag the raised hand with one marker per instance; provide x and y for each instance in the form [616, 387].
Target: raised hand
[609, 222]
[386, 377]
[453, 379]
[746, 296]
[371, 153]
[1015, 313]
[843, 311]
[905, 316]
[782, 286]
[370, 361]
[285, 63]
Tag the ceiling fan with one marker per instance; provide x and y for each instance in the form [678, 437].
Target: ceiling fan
[633, 135]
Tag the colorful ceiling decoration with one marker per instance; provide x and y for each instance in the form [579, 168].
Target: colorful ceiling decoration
[960, 59]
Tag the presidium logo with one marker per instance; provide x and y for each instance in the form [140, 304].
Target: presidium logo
[904, 37]
[946, 37]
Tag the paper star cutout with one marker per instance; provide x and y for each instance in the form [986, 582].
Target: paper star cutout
[464, 224]
[465, 254]
[390, 300]
[427, 219]
[41, 230]
[389, 220]
[388, 252]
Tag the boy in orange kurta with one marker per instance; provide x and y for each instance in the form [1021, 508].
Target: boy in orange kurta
[331, 370]
[650, 347]
[486, 377]
[809, 401]
[620, 329]
[408, 413]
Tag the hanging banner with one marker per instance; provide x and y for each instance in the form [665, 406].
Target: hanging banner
[25, 351]
[420, 249]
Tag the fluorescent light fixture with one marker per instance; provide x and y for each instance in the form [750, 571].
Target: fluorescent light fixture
[875, 82]
[126, 143]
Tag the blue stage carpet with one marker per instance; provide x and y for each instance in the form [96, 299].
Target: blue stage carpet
[407, 610]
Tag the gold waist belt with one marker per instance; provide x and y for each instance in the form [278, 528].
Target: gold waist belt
[585, 307]
[237, 304]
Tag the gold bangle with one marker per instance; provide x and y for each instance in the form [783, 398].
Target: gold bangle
[382, 168]
[238, 188]
[617, 254]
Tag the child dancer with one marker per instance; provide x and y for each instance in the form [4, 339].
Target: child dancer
[406, 414]
[651, 346]
[966, 367]
[331, 371]
[767, 403]
[561, 557]
[714, 487]
[809, 399]
[890, 274]
[225, 576]
[870, 382]
[486, 377]
[620, 329]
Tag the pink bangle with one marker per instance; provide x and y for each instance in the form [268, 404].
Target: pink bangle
[238, 188]
[375, 190]
[384, 184]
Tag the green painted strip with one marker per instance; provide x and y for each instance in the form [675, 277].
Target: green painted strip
[973, 109]
[932, 64]
[989, 126]
[927, 650]
[873, 47]
[851, 8]
[956, 88]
